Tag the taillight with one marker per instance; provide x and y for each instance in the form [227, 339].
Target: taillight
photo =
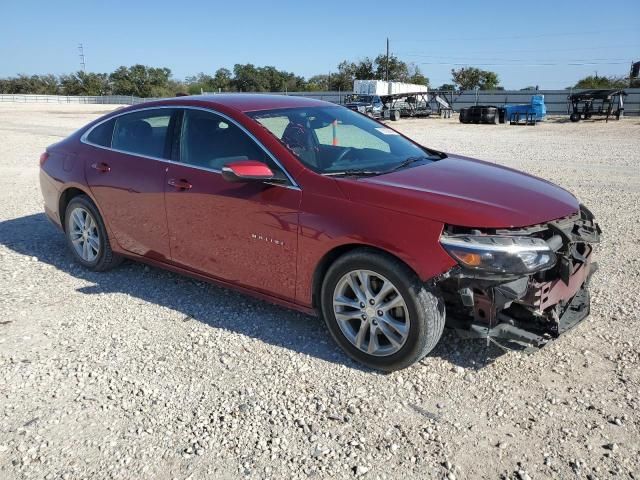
[43, 158]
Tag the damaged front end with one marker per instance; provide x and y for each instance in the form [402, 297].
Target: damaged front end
[522, 285]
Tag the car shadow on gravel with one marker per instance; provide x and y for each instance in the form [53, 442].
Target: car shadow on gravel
[218, 307]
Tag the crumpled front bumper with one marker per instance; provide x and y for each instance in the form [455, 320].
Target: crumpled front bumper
[532, 334]
[531, 310]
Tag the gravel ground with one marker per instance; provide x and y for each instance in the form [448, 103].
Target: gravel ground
[140, 373]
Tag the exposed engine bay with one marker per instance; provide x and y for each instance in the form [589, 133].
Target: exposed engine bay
[522, 285]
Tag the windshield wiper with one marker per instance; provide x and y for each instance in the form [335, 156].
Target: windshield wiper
[353, 172]
[406, 162]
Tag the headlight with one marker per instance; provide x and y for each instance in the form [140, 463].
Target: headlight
[511, 255]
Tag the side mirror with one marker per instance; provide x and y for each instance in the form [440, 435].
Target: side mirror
[247, 171]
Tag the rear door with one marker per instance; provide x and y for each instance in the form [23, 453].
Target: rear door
[243, 233]
[125, 168]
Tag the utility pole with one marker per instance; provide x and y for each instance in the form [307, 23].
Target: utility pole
[81, 50]
[386, 66]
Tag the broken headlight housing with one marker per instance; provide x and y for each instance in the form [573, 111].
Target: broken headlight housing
[500, 254]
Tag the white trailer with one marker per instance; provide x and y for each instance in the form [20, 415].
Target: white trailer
[393, 100]
[382, 88]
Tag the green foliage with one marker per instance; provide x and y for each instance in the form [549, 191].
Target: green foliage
[83, 83]
[594, 81]
[398, 71]
[141, 81]
[249, 78]
[343, 79]
[39, 84]
[318, 83]
[447, 87]
[367, 69]
[416, 76]
[219, 82]
[469, 78]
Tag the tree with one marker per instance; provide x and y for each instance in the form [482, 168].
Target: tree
[398, 70]
[594, 81]
[35, 84]
[363, 69]
[343, 79]
[469, 78]
[416, 76]
[318, 83]
[200, 83]
[141, 81]
[247, 78]
[222, 79]
[447, 87]
[83, 83]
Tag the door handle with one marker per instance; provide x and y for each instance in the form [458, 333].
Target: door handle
[181, 184]
[101, 167]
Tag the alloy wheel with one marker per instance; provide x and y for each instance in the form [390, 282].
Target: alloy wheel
[84, 234]
[371, 312]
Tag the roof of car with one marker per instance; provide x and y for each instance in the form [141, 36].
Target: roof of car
[248, 102]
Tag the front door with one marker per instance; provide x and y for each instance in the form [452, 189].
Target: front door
[243, 233]
[126, 175]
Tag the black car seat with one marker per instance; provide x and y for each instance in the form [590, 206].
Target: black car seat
[137, 137]
[297, 137]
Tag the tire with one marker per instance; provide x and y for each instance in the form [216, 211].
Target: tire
[464, 115]
[574, 117]
[421, 316]
[96, 256]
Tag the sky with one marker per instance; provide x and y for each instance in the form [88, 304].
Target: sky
[547, 43]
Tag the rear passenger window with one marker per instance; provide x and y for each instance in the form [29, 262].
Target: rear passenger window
[143, 133]
[101, 135]
[210, 141]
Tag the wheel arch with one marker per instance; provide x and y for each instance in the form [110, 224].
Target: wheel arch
[65, 197]
[332, 255]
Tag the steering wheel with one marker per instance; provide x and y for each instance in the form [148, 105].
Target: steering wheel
[343, 154]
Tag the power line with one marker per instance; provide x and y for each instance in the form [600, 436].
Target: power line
[517, 37]
[535, 50]
[474, 59]
[463, 64]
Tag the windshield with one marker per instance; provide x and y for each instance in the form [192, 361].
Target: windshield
[334, 140]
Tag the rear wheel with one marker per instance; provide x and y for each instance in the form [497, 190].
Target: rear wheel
[574, 117]
[87, 236]
[379, 312]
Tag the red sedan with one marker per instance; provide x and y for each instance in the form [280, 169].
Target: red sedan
[322, 209]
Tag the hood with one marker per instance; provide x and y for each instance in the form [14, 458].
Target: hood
[466, 192]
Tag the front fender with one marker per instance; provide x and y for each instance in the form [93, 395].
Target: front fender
[328, 223]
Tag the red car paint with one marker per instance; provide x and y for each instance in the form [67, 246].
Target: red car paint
[271, 240]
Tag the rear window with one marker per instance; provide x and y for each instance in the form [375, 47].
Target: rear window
[143, 133]
[101, 135]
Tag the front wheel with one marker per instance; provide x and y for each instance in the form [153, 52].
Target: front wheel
[379, 312]
[87, 235]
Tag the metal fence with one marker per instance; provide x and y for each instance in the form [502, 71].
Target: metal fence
[332, 96]
[105, 99]
[555, 100]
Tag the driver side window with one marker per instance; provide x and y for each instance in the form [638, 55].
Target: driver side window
[211, 141]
